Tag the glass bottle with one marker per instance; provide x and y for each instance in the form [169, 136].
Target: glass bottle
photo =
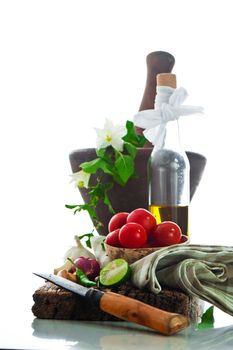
[169, 169]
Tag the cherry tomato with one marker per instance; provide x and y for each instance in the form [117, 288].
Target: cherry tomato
[143, 217]
[113, 238]
[150, 239]
[132, 235]
[117, 221]
[166, 233]
[146, 245]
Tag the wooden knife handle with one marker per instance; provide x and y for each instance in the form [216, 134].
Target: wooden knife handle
[135, 311]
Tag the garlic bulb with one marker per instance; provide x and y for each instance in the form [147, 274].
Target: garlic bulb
[100, 254]
[74, 252]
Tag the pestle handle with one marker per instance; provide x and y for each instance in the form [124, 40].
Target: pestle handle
[157, 62]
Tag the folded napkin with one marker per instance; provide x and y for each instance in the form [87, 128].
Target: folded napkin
[199, 270]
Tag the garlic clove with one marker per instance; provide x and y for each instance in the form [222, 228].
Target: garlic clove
[100, 254]
[77, 251]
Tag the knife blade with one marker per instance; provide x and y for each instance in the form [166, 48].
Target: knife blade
[123, 307]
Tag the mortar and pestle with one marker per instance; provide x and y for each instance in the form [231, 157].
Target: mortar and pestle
[135, 193]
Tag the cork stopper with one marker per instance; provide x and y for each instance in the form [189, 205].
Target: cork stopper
[166, 79]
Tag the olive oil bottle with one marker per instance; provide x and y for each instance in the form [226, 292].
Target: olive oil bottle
[178, 214]
[169, 166]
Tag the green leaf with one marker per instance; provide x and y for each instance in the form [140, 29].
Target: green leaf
[125, 167]
[92, 166]
[101, 152]
[88, 241]
[207, 319]
[89, 207]
[106, 154]
[100, 191]
[132, 137]
[71, 206]
[103, 246]
[106, 167]
[80, 207]
[131, 149]
[118, 180]
[98, 163]
[108, 203]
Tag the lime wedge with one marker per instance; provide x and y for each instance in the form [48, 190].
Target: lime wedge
[115, 272]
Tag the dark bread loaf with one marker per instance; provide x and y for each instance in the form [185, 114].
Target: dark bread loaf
[52, 302]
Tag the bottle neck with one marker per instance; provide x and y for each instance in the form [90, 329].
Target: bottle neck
[163, 95]
[172, 136]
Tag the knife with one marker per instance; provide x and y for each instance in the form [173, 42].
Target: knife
[123, 307]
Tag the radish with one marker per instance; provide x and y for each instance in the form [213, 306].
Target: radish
[90, 267]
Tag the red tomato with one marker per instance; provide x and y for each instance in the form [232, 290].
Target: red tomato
[150, 239]
[143, 217]
[113, 238]
[146, 245]
[117, 221]
[132, 235]
[167, 233]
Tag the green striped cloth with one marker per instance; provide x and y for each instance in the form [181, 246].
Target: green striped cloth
[199, 270]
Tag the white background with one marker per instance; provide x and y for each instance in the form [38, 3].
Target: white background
[65, 66]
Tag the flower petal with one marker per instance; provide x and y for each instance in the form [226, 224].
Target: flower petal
[120, 131]
[117, 143]
[110, 135]
[101, 143]
[108, 126]
[80, 178]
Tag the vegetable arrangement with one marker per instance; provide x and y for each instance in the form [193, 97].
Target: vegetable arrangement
[73, 253]
[139, 229]
[87, 272]
[83, 270]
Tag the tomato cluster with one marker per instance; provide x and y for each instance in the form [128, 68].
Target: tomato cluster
[139, 229]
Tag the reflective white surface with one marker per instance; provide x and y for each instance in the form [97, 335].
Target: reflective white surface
[20, 330]
[30, 333]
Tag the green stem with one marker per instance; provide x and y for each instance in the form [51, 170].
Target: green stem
[84, 280]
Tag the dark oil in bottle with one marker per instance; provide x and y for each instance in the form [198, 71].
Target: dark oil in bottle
[177, 214]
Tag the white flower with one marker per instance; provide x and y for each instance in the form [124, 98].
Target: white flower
[110, 135]
[81, 179]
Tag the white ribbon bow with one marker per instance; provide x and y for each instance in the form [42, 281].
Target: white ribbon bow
[154, 120]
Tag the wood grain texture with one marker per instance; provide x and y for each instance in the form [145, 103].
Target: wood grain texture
[52, 302]
[135, 311]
